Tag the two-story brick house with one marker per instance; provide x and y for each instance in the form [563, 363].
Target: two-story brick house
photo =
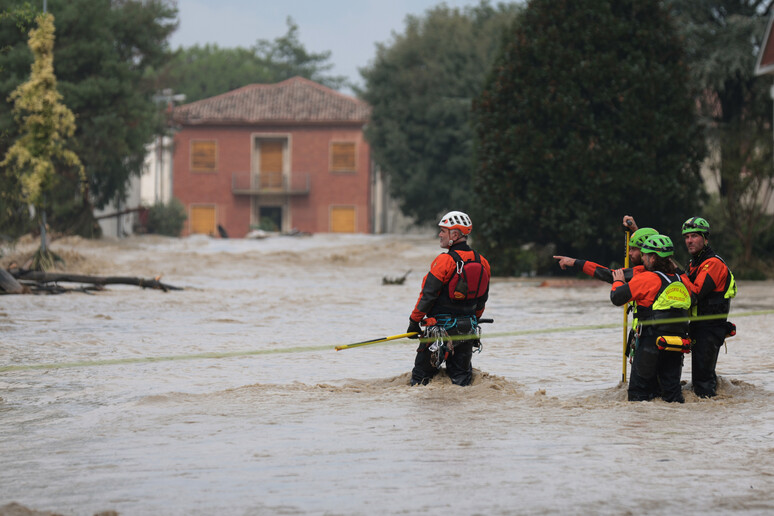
[288, 156]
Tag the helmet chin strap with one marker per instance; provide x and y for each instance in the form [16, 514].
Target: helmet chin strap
[453, 241]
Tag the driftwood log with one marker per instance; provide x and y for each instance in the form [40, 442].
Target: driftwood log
[386, 280]
[9, 284]
[38, 281]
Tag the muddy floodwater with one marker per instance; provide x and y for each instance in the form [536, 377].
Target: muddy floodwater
[249, 410]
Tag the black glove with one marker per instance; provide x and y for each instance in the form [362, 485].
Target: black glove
[414, 327]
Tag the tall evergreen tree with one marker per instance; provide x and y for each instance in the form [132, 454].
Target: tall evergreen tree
[586, 116]
[103, 50]
[723, 38]
[421, 87]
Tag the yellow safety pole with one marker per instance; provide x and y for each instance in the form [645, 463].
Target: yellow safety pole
[374, 341]
[625, 312]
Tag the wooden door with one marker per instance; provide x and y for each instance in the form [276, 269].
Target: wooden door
[343, 219]
[271, 163]
[203, 220]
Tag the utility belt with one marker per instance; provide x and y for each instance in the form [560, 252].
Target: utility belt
[670, 336]
[459, 324]
[661, 322]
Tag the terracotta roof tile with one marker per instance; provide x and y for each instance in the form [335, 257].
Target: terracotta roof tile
[293, 100]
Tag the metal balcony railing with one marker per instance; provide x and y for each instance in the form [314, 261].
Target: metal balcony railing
[245, 183]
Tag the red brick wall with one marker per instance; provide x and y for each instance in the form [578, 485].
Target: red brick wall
[309, 154]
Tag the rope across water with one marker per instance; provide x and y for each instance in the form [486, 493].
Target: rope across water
[304, 349]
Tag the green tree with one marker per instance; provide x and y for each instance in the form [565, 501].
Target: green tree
[421, 86]
[14, 216]
[41, 159]
[722, 38]
[22, 16]
[585, 117]
[204, 71]
[104, 49]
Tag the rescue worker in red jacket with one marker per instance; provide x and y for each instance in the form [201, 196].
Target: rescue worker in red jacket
[445, 311]
[660, 294]
[713, 284]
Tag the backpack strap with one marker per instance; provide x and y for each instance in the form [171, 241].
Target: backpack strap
[457, 258]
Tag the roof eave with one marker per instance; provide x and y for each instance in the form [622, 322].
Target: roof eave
[243, 123]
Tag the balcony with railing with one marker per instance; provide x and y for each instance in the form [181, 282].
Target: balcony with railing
[270, 183]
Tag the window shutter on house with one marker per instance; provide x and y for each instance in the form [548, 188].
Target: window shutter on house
[204, 156]
[343, 219]
[343, 156]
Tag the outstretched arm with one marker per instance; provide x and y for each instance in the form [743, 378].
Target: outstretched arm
[565, 262]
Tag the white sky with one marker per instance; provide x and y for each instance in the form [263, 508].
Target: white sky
[348, 28]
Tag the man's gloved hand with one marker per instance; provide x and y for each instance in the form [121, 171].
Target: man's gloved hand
[414, 327]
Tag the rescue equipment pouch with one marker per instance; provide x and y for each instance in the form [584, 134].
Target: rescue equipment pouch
[673, 343]
[471, 279]
[730, 329]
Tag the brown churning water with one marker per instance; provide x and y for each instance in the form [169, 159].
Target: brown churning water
[544, 429]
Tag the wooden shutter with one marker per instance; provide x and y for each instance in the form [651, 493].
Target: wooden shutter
[343, 156]
[204, 156]
[343, 219]
[271, 163]
[203, 220]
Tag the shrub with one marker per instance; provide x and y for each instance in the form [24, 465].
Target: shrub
[166, 219]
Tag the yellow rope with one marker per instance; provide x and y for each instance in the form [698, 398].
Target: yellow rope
[303, 349]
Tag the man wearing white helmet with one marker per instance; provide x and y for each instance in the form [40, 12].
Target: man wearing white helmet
[453, 297]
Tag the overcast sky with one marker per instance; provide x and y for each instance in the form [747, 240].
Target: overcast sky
[348, 28]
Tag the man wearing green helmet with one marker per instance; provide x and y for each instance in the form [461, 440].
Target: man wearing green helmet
[710, 279]
[660, 295]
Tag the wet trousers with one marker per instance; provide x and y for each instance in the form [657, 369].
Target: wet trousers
[655, 373]
[707, 341]
[458, 364]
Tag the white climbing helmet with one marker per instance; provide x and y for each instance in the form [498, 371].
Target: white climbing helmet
[457, 220]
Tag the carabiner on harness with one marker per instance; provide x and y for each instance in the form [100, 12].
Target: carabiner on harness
[440, 347]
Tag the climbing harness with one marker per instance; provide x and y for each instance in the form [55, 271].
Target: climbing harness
[440, 344]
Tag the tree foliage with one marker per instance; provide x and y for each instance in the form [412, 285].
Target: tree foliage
[46, 125]
[586, 116]
[103, 50]
[205, 71]
[723, 38]
[421, 86]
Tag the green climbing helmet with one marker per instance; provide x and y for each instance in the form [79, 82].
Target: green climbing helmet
[696, 225]
[659, 244]
[639, 236]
